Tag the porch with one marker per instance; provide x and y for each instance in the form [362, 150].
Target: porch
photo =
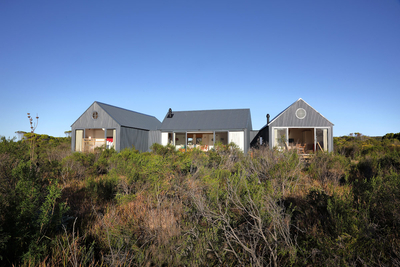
[197, 140]
[86, 140]
[304, 140]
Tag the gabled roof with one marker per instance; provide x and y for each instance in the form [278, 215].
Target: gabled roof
[128, 118]
[223, 119]
[287, 117]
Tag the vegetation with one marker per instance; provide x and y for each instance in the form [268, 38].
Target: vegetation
[221, 207]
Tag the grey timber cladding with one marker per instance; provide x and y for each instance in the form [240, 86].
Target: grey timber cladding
[131, 137]
[253, 134]
[224, 119]
[287, 118]
[111, 117]
[104, 120]
[132, 128]
[131, 118]
[154, 137]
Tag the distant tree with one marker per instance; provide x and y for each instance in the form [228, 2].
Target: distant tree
[68, 133]
[392, 136]
[20, 134]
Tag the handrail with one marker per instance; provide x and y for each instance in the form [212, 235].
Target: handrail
[320, 147]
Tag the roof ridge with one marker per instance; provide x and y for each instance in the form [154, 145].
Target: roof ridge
[210, 110]
[101, 103]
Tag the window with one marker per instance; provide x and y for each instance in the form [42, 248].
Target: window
[301, 113]
[95, 115]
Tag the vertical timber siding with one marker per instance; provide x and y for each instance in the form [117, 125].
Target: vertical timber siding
[288, 118]
[154, 137]
[134, 137]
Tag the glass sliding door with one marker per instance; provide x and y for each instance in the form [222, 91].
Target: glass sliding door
[281, 138]
[110, 138]
[321, 139]
[170, 138]
[180, 140]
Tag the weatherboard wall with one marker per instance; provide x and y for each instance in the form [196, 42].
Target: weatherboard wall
[86, 121]
[130, 137]
[103, 121]
[288, 118]
[132, 128]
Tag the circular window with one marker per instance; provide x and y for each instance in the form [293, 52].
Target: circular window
[95, 115]
[300, 113]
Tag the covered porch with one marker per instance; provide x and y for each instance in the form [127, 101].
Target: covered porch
[203, 140]
[304, 140]
[86, 140]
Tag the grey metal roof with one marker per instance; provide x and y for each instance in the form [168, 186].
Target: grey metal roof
[223, 119]
[288, 118]
[111, 116]
[130, 118]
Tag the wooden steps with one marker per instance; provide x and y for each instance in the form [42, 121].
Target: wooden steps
[306, 157]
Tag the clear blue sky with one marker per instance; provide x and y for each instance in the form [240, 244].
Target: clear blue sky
[342, 57]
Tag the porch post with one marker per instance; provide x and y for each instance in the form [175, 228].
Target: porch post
[105, 137]
[214, 139]
[185, 141]
[315, 140]
[83, 140]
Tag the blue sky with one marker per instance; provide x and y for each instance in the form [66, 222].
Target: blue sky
[342, 57]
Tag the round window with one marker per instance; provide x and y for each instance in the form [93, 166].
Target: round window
[95, 115]
[300, 113]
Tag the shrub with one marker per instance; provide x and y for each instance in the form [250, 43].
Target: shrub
[329, 168]
[32, 214]
[102, 188]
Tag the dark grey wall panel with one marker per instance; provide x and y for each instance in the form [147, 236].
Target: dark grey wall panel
[263, 133]
[133, 137]
[154, 137]
[253, 134]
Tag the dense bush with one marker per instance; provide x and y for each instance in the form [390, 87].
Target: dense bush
[195, 208]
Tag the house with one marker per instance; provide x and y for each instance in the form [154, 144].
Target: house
[113, 127]
[205, 128]
[298, 126]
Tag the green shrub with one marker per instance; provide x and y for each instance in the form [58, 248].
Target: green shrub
[163, 150]
[103, 188]
[32, 214]
[329, 167]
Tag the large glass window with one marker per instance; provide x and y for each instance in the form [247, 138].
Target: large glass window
[280, 138]
[221, 137]
[180, 141]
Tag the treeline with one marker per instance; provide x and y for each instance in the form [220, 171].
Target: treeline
[215, 208]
